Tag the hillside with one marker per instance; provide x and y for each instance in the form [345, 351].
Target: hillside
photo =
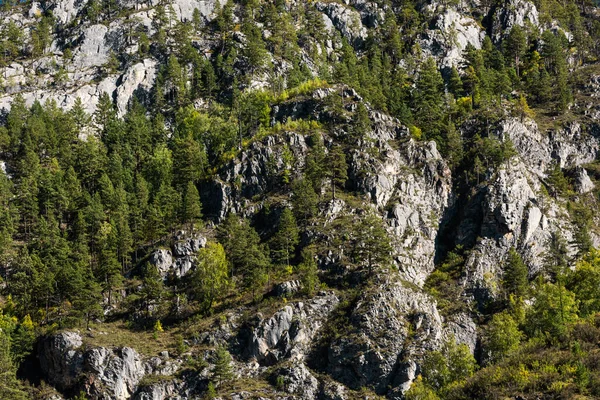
[299, 200]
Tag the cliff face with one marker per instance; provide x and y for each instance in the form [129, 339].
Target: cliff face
[391, 317]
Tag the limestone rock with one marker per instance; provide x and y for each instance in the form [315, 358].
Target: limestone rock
[93, 51]
[61, 360]
[287, 289]
[368, 355]
[449, 37]
[298, 380]
[289, 333]
[346, 20]
[162, 259]
[514, 12]
[102, 373]
[138, 78]
[583, 183]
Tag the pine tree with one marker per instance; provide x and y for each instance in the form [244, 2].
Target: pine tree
[455, 85]
[192, 207]
[428, 99]
[361, 124]
[308, 271]
[284, 242]
[515, 280]
[88, 301]
[516, 47]
[248, 257]
[304, 200]
[315, 163]
[338, 169]
[10, 386]
[152, 288]
[372, 245]
[222, 371]
[556, 257]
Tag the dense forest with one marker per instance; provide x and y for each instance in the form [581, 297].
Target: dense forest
[263, 120]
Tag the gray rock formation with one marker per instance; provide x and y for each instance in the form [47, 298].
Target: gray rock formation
[367, 355]
[515, 12]
[414, 184]
[450, 35]
[102, 373]
[299, 381]
[289, 333]
[180, 259]
[61, 359]
[287, 289]
[346, 20]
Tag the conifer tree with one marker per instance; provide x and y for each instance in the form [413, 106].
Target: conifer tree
[315, 163]
[556, 257]
[10, 386]
[338, 169]
[304, 199]
[222, 371]
[428, 99]
[308, 270]
[248, 257]
[152, 288]
[455, 85]
[515, 280]
[284, 242]
[372, 245]
[192, 207]
[516, 47]
[88, 301]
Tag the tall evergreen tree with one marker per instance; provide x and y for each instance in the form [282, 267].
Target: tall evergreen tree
[286, 238]
[428, 99]
[338, 169]
[515, 280]
[192, 207]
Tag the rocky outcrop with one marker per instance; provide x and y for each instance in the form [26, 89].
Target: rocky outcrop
[112, 373]
[287, 289]
[180, 259]
[167, 389]
[514, 213]
[450, 35]
[569, 146]
[100, 372]
[367, 355]
[299, 381]
[583, 183]
[139, 78]
[61, 359]
[346, 20]
[413, 183]
[258, 170]
[289, 332]
[514, 12]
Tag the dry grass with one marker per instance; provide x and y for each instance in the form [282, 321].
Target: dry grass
[117, 334]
